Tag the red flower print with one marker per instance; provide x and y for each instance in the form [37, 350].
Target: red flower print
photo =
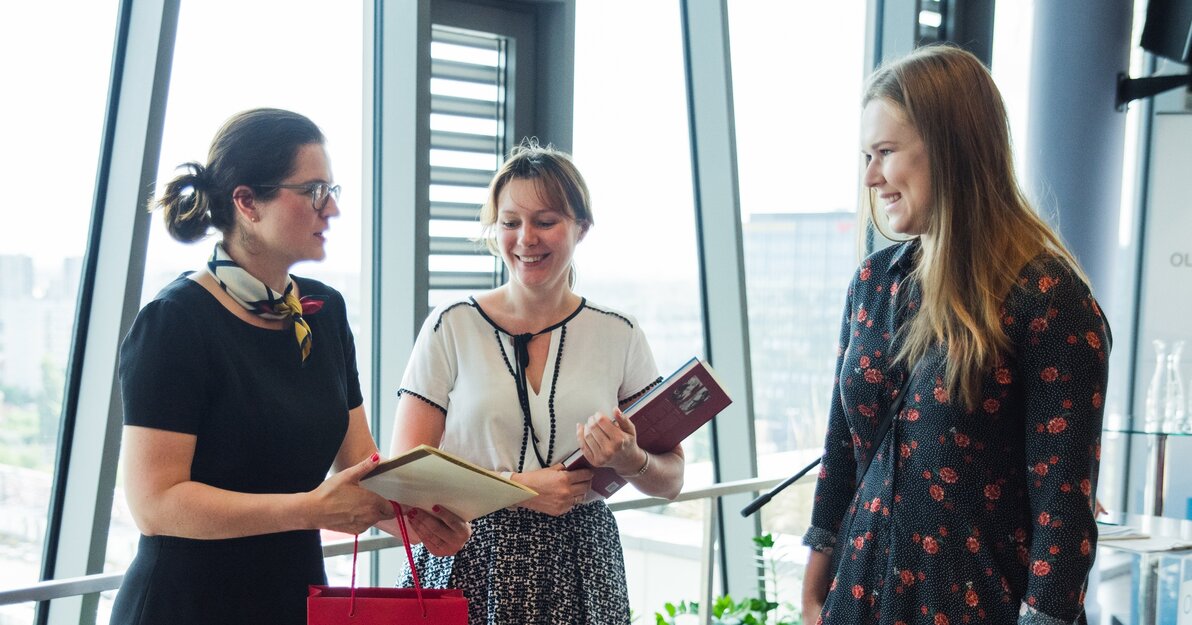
[948, 474]
[866, 411]
[1085, 487]
[912, 414]
[930, 545]
[1066, 404]
[862, 315]
[1049, 374]
[1093, 340]
[1002, 375]
[1055, 549]
[904, 450]
[1057, 425]
[907, 577]
[941, 395]
[937, 493]
[894, 286]
[941, 619]
[1071, 339]
[865, 273]
[962, 440]
[1038, 324]
[859, 542]
[1044, 519]
[993, 491]
[926, 475]
[991, 405]
[873, 376]
[1085, 547]
[1041, 468]
[973, 544]
[1097, 400]
[1041, 568]
[1046, 282]
[970, 598]
[864, 362]
[858, 591]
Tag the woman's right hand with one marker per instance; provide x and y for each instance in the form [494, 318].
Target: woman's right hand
[811, 612]
[559, 490]
[341, 504]
[817, 577]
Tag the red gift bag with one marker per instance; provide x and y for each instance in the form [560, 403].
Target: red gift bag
[328, 605]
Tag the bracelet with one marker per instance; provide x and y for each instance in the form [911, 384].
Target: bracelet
[641, 471]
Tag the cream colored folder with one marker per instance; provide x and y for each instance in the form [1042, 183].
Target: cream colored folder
[425, 477]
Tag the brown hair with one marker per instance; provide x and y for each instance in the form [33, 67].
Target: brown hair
[558, 181]
[982, 231]
[255, 147]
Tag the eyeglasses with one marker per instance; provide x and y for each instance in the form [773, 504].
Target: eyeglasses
[319, 192]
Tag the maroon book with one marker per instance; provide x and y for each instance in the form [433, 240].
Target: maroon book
[664, 416]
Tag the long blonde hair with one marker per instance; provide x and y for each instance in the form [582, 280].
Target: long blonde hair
[982, 231]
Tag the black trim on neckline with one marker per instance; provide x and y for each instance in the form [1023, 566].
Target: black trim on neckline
[583, 303]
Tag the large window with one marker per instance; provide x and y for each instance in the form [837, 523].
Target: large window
[797, 71]
[52, 125]
[306, 58]
[631, 143]
[797, 75]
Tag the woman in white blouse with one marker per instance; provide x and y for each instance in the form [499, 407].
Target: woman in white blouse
[502, 378]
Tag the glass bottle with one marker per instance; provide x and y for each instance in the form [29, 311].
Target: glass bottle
[1173, 409]
[1156, 392]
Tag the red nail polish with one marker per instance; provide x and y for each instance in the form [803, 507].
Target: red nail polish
[376, 456]
[435, 508]
[413, 511]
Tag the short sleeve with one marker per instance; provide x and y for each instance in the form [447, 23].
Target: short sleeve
[163, 381]
[353, 393]
[641, 372]
[431, 372]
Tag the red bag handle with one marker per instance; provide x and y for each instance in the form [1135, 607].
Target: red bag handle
[405, 539]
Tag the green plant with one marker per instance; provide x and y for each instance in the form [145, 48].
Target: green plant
[752, 611]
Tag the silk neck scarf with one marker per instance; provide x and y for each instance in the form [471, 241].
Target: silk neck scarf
[262, 301]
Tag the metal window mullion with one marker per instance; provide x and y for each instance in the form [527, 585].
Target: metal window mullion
[722, 272]
[110, 290]
[398, 67]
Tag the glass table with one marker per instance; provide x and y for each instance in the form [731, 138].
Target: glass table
[1143, 582]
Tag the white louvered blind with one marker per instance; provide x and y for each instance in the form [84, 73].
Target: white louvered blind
[469, 112]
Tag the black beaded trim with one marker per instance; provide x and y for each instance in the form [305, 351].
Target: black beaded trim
[504, 356]
[634, 397]
[439, 321]
[402, 391]
[554, 382]
[610, 313]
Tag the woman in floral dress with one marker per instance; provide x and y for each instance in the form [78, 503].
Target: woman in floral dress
[977, 504]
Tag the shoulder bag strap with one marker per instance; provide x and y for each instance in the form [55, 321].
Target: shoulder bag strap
[887, 419]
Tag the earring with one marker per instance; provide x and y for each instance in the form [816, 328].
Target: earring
[254, 219]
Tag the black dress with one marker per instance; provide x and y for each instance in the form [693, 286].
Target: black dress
[964, 516]
[265, 423]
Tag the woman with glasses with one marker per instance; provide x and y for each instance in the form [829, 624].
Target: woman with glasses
[515, 379]
[241, 392]
[960, 462]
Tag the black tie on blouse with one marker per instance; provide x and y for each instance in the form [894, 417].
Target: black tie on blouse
[521, 354]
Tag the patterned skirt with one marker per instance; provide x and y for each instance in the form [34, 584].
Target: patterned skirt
[522, 566]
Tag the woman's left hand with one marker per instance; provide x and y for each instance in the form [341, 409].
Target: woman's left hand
[611, 443]
[442, 532]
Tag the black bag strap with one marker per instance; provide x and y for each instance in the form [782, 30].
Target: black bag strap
[887, 418]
